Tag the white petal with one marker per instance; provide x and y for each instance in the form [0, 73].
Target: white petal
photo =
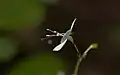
[57, 48]
[73, 24]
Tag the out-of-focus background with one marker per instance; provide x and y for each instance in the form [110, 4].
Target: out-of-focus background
[24, 22]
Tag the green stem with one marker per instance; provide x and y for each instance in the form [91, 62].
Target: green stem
[77, 65]
[80, 58]
[76, 49]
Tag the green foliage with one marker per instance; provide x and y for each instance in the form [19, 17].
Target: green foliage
[15, 14]
[8, 48]
[45, 64]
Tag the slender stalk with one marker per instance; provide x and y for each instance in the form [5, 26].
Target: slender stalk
[77, 66]
[76, 49]
[80, 58]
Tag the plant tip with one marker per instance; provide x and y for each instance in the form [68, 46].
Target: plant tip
[47, 29]
[94, 45]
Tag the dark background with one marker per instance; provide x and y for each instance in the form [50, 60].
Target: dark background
[97, 22]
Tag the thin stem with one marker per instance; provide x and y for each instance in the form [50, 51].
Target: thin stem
[77, 65]
[80, 58]
[76, 49]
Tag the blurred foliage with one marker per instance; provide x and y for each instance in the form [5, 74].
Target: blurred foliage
[15, 14]
[50, 2]
[45, 64]
[8, 48]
